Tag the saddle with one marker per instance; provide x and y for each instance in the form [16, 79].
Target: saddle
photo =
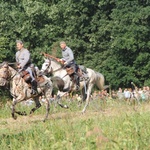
[25, 75]
[40, 79]
[70, 70]
[27, 78]
[81, 72]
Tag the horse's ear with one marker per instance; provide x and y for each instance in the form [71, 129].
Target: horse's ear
[4, 64]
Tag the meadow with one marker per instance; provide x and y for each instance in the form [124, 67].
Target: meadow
[109, 125]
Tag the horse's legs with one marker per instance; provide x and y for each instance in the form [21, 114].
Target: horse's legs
[84, 93]
[58, 100]
[90, 86]
[21, 113]
[37, 103]
[13, 109]
[47, 108]
[60, 104]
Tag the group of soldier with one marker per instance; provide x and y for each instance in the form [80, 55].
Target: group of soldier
[23, 59]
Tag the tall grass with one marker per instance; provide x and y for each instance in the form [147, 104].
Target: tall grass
[112, 125]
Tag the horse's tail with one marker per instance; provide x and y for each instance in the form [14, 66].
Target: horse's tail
[100, 80]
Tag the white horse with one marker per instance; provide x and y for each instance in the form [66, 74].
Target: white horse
[21, 91]
[51, 65]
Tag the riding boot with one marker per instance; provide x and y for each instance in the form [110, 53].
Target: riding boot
[77, 81]
[34, 87]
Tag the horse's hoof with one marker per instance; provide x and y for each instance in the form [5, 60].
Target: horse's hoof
[15, 117]
[65, 106]
[82, 112]
[21, 113]
[31, 112]
[24, 113]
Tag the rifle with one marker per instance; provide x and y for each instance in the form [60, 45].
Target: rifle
[57, 59]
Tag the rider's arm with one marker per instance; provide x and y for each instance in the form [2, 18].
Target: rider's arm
[70, 56]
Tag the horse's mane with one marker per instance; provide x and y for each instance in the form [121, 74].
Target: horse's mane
[12, 65]
[3, 63]
[13, 69]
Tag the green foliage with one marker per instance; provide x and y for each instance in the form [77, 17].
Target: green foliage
[104, 35]
[3, 47]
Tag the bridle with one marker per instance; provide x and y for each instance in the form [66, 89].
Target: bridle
[7, 77]
[49, 65]
[6, 73]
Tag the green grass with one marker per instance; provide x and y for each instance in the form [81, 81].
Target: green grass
[107, 126]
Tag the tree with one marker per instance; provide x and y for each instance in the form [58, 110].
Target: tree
[111, 37]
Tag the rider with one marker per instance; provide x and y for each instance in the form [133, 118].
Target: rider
[68, 57]
[24, 63]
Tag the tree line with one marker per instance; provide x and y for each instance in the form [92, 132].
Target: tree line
[109, 36]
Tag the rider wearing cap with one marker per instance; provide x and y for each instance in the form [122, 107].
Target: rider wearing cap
[68, 57]
[24, 63]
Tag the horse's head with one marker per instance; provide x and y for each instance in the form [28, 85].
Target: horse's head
[46, 66]
[4, 73]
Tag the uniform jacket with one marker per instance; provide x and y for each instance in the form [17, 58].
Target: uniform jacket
[67, 54]
[23, 58]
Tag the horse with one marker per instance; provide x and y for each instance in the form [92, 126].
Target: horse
[21, 91]
[54, 67]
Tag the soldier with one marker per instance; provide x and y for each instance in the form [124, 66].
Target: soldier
[68, 57]
[24, 63]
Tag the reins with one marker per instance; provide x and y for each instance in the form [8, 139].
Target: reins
[56, 69]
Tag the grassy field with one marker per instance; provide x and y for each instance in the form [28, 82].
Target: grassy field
[113, 125]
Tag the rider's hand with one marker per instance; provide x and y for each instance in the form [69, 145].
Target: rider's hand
[61, 61]
[65, 63]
